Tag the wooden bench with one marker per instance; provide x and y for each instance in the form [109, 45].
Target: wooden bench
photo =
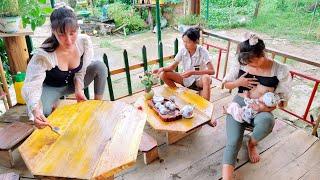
[11, 137]
[149, 148]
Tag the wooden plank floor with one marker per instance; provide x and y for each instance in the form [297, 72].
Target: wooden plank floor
[287, 153]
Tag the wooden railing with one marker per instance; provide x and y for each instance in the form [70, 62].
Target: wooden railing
[127, 68]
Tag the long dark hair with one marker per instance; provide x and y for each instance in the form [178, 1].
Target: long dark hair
[60, 19]
[193, 34]
[247, 52]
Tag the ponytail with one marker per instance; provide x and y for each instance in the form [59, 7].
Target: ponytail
[50, 44]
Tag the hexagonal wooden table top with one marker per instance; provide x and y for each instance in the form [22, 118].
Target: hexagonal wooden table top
[98, 139]
[183, 96]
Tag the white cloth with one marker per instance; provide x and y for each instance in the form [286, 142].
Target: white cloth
[199, 58]
[278, 69]
[43, 61]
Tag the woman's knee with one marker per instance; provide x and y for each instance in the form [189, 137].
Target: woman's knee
[263, 125]
[264, 120]
[99, 68]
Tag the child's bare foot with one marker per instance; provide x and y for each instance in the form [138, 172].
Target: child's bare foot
[252, 152]
[212, 123]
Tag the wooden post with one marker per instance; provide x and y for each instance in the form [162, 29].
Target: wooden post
[127, 69]
[176, 44]
[17, 51]
[144, 58]
[194, 7]
[284, 60]
[226, 62]
[160, 54]
[256, 10]
[5, 85]
[150, 19]
[316, 126]
[105, 60]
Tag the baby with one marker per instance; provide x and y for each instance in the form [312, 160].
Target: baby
[247, 113]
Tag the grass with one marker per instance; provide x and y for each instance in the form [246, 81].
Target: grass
[288, 23]
[289, 19]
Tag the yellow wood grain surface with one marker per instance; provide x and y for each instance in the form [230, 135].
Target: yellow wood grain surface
[183, 96]
[98, 138]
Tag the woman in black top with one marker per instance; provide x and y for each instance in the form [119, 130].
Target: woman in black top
[251, 69]
[63, 65]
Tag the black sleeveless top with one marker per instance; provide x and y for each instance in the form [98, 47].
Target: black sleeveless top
[263, 80]
[58, 78]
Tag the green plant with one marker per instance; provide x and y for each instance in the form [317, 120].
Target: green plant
[32, 13]
[9, 8]
[191, 20]
[282, 5]
[5, 62]
[172, 1]
[72, 3]
[148, 80]
[125, 15]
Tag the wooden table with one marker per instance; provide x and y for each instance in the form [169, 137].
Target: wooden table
[98, 139]
[17, 50]
[176, 130]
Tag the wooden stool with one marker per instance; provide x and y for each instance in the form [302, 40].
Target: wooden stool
[149, 148]
[9, 176]
[11, 137]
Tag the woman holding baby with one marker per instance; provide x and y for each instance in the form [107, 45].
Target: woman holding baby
[254, 75]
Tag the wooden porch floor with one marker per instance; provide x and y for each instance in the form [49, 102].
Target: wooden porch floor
[287, 153]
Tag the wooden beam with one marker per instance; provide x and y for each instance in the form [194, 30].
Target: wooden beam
[137, 66]
[16, 48]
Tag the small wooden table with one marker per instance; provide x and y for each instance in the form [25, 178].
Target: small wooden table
[177, 130]
[98, 139]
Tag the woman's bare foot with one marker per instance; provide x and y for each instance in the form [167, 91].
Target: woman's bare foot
[253, 152]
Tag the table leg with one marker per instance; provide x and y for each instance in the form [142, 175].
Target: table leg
[6, 158]
[173, 137]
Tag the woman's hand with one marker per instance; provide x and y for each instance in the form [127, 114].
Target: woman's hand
[80, 96]
[187, 74]
[246, 82]
[157, 71]
[40, 121]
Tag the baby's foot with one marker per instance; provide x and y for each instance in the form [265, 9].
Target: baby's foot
[253, 152]
[212, 123]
